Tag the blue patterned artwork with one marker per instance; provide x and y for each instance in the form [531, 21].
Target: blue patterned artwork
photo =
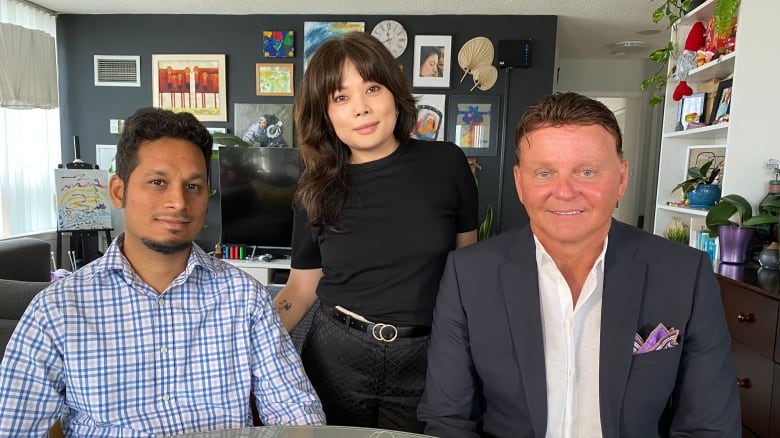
[317, 32]
[278, 44]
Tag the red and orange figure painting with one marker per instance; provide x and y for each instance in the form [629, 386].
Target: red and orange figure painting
[191, 83]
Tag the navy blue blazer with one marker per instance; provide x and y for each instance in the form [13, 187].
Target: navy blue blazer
[486, 371]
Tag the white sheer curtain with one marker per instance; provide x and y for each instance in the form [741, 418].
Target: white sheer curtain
[29, 138]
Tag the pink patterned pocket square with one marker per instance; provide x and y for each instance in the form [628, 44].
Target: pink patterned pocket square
[660, 338]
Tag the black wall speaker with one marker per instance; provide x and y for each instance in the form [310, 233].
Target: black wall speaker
[514, 53]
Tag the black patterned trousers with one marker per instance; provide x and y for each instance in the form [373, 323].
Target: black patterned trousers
[363, 382]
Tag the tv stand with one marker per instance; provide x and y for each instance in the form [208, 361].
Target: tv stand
[267, 273]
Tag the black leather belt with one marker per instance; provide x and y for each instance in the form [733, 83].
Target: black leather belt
[379, 331]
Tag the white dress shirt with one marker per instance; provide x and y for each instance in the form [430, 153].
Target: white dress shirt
[571, 348]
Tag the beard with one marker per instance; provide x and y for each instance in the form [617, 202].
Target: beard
[167, 248]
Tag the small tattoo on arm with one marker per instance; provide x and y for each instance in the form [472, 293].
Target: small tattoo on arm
[284, 305]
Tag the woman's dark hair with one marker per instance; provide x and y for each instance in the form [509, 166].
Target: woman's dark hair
[153, 123]
[323, 186]
[567, 109]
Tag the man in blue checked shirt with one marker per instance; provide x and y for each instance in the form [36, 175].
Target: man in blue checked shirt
[156, 337]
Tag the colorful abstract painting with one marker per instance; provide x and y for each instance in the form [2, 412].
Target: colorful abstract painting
[278, 44]
[82, 199]
[317, 32]
[274, 79]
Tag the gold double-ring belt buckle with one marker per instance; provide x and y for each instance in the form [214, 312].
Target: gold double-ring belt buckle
[377, 331]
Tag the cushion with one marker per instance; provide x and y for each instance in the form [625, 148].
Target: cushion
[16, 295]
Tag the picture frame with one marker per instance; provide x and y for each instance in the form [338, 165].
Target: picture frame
[190, 83]
[426, 47]
[265, 124]
[278, 44]
[431, 110]
[722, 105]
[473, 123]
[274, 79]
[690, 113]
[698, 155]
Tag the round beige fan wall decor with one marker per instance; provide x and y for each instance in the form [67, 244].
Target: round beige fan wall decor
[477, 52]
[484, 77]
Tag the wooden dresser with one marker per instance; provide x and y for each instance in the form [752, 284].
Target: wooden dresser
[751, 299]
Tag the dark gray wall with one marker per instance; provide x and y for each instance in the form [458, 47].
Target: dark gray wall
[86, 109]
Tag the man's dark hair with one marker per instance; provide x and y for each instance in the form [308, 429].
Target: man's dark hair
[148, 124]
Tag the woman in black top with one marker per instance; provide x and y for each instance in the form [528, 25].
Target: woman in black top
[376, 215]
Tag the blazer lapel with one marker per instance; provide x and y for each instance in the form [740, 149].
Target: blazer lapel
[520, 287]
[624, 286]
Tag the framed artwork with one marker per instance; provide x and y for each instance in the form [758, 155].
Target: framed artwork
[265, 124]
[473, 124]
[274, 79]
[317, 32]
[699, 155]
[278, 44]
[691, 112]
[430, 117]
[722, 103]
[432, 55]
[190, 83]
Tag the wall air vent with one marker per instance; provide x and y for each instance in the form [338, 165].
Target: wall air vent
[117, 71]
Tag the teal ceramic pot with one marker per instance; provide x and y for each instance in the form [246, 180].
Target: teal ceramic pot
[703, 196]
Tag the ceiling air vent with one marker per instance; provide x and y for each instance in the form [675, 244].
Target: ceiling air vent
[117, 71]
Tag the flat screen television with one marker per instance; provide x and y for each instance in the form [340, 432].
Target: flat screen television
[257, 186]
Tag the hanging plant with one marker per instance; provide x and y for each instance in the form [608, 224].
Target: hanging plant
[672, 11]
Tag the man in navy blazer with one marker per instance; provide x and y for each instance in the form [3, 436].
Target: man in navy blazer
[578, 325]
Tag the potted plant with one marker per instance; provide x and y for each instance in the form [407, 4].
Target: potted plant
[734, 235]
[700, 190]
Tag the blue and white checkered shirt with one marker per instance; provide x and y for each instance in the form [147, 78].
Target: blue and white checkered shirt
[119, 359]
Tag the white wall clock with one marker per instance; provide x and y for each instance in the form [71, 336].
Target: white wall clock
[393, 35]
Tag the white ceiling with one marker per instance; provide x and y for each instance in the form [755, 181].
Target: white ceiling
[586, 28]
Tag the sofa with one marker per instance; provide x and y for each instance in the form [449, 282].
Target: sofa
[24, 271]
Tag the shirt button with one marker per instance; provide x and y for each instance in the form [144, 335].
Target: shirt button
[161, 302]
[166, 397]
[164, 350]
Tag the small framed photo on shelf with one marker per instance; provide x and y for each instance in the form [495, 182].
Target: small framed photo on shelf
[691, 112]
[701, 154]
[274, 79]
[432, 54]
[473, 124]
[722, 104]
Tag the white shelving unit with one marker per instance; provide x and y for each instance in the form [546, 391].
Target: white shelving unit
[676, 145]
[750, 138]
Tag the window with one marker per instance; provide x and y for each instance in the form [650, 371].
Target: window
[29, 138]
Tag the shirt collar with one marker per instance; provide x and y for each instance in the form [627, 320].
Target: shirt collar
[543, 258]
[115, 260]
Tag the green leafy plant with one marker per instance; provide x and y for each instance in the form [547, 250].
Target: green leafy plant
[677, 231]
[698, 175]
[229, 140]
[738, 207]
[672, 11]
[722, 13]
[484, 230]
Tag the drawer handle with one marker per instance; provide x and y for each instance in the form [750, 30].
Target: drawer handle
[746, 317]
[744, 383]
